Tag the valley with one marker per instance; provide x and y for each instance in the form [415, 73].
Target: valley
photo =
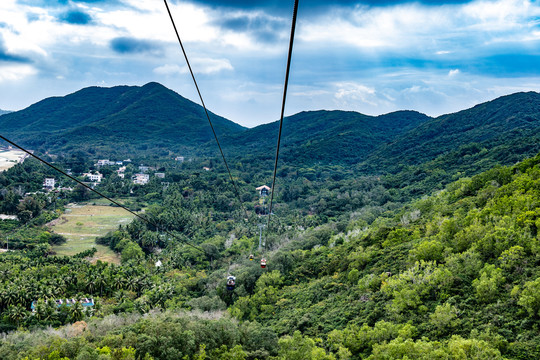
[394, 236]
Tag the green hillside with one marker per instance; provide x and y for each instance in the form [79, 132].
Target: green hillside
[97, 119]
[325, 137]
[393, 237]
[506, 119]
[451, 276]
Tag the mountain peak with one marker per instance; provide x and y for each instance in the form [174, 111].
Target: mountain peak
[145, 117]
[154, 85]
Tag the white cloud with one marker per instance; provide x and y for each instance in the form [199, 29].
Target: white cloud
[453, 72]
[16, 72]
[352, 92]
[210, 66]
[199, 66]
[168, 69]
[425, 29]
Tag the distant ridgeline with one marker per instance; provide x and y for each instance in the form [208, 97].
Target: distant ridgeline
[154, 121]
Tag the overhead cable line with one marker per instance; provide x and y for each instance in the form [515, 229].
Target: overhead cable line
[100, 194]
[289, 57]
[206, 111]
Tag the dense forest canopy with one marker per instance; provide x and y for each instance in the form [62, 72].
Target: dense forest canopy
[432, 257]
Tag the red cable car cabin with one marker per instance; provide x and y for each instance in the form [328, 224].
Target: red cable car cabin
[263, 263]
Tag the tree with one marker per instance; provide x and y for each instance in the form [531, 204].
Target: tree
[298, 347]
[444, 318]
[487, 286]
[76, 312]
[16, 314]
[132, 252]
[9, 203]
[80, 193]
[530, 297]
[31, 204]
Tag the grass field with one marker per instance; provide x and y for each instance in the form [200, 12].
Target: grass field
[10, 158]
[82, 224]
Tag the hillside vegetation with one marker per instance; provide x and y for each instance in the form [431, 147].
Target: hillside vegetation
[450, 276]
[390, 239]
[149, 119]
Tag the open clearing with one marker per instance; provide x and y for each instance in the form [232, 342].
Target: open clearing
[82, 224]
[10, 158]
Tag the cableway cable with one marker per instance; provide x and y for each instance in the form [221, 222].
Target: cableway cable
[289, 57]
[205, 110]
[148, 221]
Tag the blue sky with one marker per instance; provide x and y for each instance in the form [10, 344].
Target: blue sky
[373, 57]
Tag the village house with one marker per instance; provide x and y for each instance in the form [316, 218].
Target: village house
[104, 162]
[94, 177]
[49, 184]
[141, 179]
[121, 171]
[179, 158]
[160, 175]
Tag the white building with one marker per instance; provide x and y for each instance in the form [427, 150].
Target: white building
[121, 171]
[141, 179]
[49, 183]
[94, 177]
[104, 162]
[160, 175]
[179, 158]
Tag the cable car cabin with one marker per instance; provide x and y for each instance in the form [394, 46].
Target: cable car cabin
[251, 257]
[263, 190]
[263, 263]
[231, 283]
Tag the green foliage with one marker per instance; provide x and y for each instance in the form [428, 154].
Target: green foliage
[356, 269]
[487, 287]
[444, 318]
[456, 348]
[530, 297]
[132, 251]
[298, 347]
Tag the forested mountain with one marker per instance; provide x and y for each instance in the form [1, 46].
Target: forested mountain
[120, 119]
[2, 112]
[326, 137]
[451, 276]
[511, 121]
[153, 121]
[359, 266]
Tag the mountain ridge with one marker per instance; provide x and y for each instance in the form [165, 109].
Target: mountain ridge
[150, 119]
[122, 113]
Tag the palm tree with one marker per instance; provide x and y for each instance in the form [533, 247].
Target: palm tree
[10, 296]
[76, 312]
[16, 314]
[40, 309]
[119, 281]
[100, 282]
[91, 284]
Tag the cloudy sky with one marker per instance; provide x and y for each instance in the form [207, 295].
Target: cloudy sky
[368, 56]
